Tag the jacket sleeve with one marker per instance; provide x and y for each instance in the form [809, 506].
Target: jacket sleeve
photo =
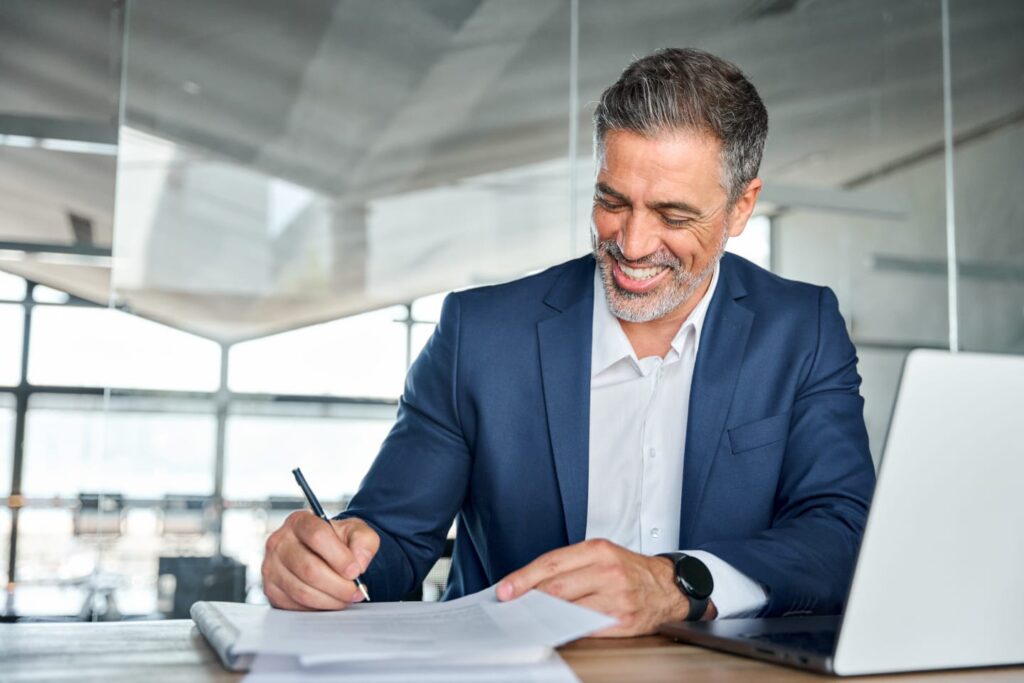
[805, 559]
[418, 481]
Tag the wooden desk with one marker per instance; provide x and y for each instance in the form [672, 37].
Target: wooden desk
[157, 651]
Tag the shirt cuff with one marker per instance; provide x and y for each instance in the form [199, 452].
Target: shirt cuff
[735, 594]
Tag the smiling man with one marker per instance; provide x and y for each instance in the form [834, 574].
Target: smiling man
[659, 430]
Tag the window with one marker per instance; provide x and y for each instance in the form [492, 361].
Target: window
[334, 454]
[12, 287]
[755, 243]
[135, 447]
[362, 356]
[428, 308]
[98, 347]
[48, 295]
[6, 443]
[5, 542]
[12, 320]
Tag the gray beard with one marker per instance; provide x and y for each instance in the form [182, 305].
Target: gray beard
[645, 307]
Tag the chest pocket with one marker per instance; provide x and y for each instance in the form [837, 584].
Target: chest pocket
[760, 433]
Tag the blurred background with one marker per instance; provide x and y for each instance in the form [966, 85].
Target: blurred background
[226, 230]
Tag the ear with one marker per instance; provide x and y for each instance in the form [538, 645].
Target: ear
[743, 207]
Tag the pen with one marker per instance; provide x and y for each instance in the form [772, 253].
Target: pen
[319, 512]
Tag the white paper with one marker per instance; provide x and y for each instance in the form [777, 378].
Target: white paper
[284, 669]
[368, 632]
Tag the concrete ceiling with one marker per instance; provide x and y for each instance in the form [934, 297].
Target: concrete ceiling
[363, 104]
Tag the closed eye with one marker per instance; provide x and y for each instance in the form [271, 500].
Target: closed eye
[675, 222]
[608, 204]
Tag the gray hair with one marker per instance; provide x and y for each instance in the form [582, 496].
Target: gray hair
[685, 88]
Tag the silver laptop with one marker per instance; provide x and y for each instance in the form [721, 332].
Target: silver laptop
[939, 581]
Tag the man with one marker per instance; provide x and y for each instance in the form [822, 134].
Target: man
[655, 396]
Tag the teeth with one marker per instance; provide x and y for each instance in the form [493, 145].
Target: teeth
[640, 273]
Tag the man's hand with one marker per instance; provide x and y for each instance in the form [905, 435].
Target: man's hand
[310, 565]
[638, 590]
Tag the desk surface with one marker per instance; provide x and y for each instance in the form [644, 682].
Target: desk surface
[175, 651]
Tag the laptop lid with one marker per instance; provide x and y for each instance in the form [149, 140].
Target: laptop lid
[939, 581]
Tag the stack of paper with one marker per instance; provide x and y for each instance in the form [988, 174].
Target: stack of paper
[475, 638]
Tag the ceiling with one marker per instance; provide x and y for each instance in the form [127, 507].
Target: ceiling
[415, 145]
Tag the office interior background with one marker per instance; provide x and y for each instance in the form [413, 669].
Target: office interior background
[226, 229]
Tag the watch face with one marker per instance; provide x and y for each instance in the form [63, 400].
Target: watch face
[695, 577]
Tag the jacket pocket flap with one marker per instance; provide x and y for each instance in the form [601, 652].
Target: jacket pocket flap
[759, 433]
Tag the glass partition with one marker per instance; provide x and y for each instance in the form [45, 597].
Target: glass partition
[988, 114]
[289, 188]
[299, 187]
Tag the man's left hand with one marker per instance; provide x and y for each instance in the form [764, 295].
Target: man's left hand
[638, 590]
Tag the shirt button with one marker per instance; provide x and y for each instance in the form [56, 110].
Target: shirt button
[651, 452]
[655, 532]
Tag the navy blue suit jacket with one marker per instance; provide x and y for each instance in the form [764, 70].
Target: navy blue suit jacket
[493, 428]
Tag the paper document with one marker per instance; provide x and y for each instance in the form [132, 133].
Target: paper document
[474, 625]
[282, 669]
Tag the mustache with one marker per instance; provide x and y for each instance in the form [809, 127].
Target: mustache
[659, 258]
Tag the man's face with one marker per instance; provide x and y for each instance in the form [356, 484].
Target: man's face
[660, 220]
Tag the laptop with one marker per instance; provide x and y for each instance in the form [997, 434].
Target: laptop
[939, 580]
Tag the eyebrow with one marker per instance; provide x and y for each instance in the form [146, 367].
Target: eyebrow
[605, 189]
[659, 206]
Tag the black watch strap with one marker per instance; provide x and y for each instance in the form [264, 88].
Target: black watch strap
[694, 581]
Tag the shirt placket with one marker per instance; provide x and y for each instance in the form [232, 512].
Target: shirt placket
[649, 531]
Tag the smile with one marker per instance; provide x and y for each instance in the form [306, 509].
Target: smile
[637, 280]
[640, 273]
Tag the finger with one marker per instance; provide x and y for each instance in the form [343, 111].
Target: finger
[278, 598]
[575, 584]
[311, 569]
[308, 597]
[361, 539]
[322, 539]
[551, 564]
[606, 604]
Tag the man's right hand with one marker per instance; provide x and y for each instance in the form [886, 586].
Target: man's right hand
[310, 565]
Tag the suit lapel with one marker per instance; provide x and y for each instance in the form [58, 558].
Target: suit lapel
[565, 345]
[722, 344]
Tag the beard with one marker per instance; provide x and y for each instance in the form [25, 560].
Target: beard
[642, 307]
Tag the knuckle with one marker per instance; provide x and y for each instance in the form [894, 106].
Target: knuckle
[321, 536]
[271, 545]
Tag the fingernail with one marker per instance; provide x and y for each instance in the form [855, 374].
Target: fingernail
[358, 597]
[352, 571]
[505, 590]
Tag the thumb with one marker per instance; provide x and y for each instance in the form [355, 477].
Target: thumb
[361, 539]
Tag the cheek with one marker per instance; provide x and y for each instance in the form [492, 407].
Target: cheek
[606, 225]
[685, 247]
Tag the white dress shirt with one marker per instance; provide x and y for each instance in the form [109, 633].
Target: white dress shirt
[638, 416]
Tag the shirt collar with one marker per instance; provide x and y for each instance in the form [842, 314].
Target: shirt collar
[610, 344]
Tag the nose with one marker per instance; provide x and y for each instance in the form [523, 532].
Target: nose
[637, 239]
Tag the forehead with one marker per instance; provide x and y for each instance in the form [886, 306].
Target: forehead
[682, 161]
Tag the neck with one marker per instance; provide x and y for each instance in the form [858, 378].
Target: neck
[654, 338]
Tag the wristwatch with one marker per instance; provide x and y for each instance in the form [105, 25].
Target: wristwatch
[694, 581]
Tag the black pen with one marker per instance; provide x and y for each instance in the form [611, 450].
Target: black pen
[318, 510]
